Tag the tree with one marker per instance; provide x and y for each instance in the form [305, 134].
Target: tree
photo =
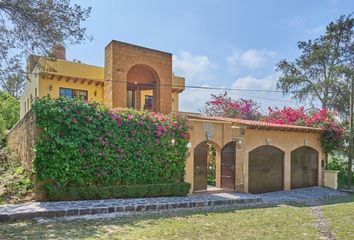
[34, 26]
[14, 85]
[9, 112]
[323, 69]
[225, 106]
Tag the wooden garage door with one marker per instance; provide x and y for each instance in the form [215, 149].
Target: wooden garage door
[228, 158]
[200, 166]
[265, 168]
[304, 167]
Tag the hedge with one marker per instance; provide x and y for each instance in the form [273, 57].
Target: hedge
[83, 144]
[133, 191]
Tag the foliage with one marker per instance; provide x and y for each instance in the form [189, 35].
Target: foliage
[127, 191]
[15, 183]
[9, 112]
[14, 84]
[33, 26]
[211, 166]
[324, 69]
[333, 136]
[339, 164]
[83, 144]
[225, 106]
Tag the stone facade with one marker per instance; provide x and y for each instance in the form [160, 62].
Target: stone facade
[21, 140]
[123, 61]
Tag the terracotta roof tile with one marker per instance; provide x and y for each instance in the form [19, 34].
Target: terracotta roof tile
[256, 124]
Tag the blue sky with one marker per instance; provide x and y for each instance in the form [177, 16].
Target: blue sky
[227, 43]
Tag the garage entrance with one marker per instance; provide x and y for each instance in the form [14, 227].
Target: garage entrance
[304, 167]
[265, 169]
[228, 159]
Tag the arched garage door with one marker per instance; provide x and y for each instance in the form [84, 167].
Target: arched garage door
[304, 167]
[265, 166]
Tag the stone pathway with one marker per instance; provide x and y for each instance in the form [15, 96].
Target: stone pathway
[300, 195]
[33, 210]
[78, 208]
[322, 223]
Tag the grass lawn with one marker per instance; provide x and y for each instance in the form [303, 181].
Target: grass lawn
[340, 214]
[279, 222]
[268, 222]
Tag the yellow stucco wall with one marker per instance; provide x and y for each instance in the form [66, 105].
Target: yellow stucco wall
[221, 133]
[61, 73]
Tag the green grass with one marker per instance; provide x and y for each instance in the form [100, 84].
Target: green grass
[287, 221]
[340, 214]
[278, 222]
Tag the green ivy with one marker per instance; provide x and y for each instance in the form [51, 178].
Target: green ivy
[84, 144]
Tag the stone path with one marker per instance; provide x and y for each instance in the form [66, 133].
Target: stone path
[322, 223]
[90, 207]
[78, 208]
[300, 195]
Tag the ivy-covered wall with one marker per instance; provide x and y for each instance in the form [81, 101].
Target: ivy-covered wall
[83, 144]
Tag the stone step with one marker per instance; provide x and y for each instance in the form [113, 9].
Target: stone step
[34, 210]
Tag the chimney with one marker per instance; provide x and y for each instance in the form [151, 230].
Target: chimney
[58, 51]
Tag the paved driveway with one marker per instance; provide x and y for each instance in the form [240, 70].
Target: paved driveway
[301, 194]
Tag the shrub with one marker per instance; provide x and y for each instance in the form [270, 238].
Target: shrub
[127, 191]
[15, 183]
[341, 165]
[224, 106]
[332, 138]
[83, 144]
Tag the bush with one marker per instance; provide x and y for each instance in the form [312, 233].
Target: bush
[133, 191]
[15, 183]
[341, 165]
[83, 144]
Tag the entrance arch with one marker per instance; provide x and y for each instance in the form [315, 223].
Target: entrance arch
[265, 169]
[228, 160]
[304, 167]
[142, 82]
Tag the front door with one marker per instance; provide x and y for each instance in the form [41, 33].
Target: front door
[200, 166]
[228, 158]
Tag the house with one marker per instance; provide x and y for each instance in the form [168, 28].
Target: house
[133, 76]
[250, 156]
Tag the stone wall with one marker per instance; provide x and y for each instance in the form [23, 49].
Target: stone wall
[21, 139]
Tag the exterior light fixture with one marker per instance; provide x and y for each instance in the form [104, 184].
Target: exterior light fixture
[268, 141]
[50, 87]
[305, 142]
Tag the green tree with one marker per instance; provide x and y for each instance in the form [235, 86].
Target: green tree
[14, 85]
[9, 112]
[34, 26]
[323, 69]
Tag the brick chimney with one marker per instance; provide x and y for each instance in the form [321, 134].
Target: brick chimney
[58, 51]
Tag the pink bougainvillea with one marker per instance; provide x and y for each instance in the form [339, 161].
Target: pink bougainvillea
[332, 137]
[225, 106]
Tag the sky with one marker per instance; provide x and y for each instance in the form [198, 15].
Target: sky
[215, 43]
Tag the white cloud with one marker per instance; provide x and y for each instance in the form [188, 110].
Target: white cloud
[251, 59]
[195, 68]
[249, 82]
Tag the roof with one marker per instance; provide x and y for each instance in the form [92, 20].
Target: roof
[251, 124]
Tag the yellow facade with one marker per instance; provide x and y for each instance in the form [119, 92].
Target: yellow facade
[48, 76]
